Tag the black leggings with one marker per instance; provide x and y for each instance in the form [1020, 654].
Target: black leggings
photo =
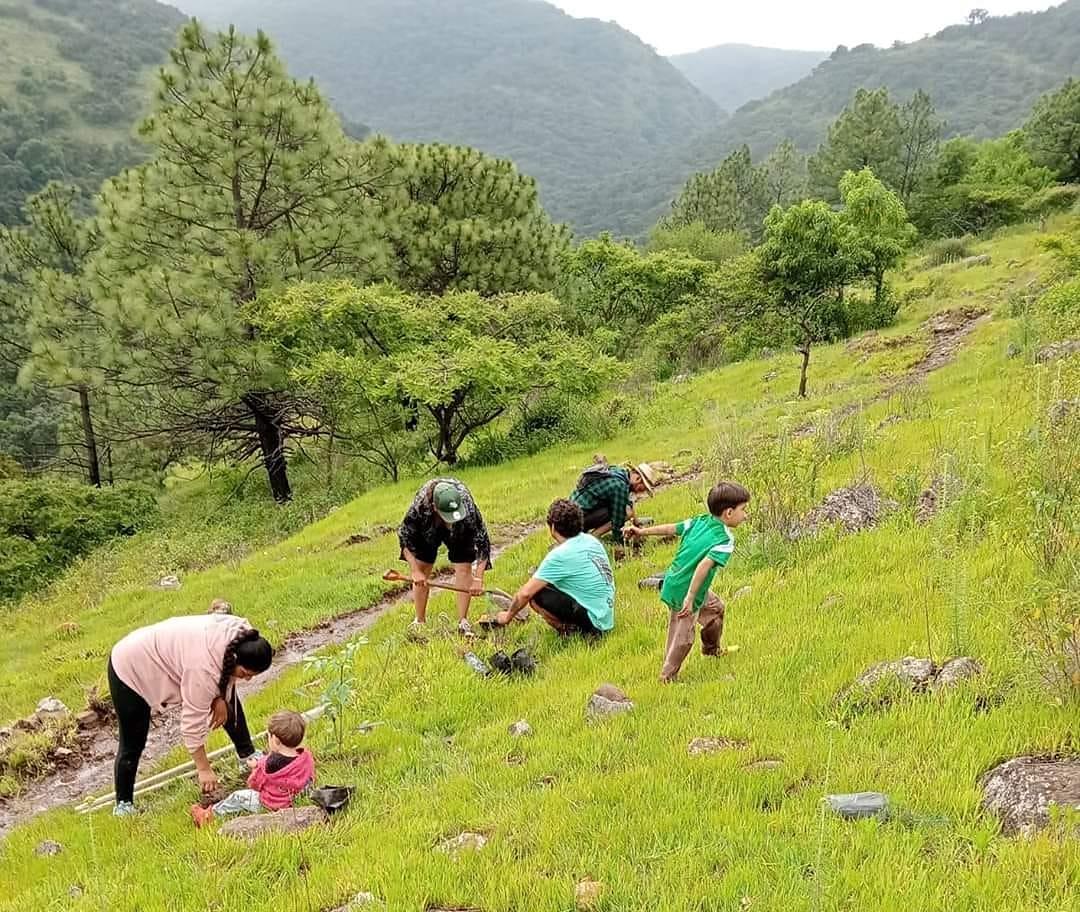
[133, 719]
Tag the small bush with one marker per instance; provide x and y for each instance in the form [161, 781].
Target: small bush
[948, 250]
[864, 312]
[46, 523]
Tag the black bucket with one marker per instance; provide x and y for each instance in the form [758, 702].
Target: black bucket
[332, 798]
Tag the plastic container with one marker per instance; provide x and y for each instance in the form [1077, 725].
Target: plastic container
[859, 805]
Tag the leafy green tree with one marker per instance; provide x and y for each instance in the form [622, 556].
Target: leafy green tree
[978, 16]
[807, 259]
[470, 222]
[1053, 132]
[920, 133]
[444, 367]
[52, 316]
[613, 293]
[785, 176]
[879, 225]
[252, 186]
[867, 134]
[698, 241]
[734, 197]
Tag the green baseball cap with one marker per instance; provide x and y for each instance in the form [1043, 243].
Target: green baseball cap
[448, 502]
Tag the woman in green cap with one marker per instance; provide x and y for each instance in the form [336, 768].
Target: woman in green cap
[444, 513]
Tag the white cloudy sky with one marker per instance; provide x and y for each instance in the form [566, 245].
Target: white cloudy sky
[675, 26]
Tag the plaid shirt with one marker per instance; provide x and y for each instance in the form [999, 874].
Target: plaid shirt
[420, 527]
[613, 493]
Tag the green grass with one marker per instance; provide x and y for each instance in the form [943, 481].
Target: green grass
[622, 802]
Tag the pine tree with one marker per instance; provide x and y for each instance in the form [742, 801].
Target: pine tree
[920, 132]
[784, 174]
[252, 185]
[866, 135]
[734, 197]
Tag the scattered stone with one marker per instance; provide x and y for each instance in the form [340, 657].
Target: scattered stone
[587, 894]
[1022, 790]
[704, 746]
[521, 729]
[1013, 351]
[853, 509]
[955, 671]
[915, 673]
[770, 376]
[220, 606]
[291, 820]
[983, 259]
[63, 753]
[50, 706]
[169, 583]
[359, 901]
[75, 891]
[889, 422]
[48, 849]
[652, 582]
[931, 500]
[859, 805]
[681, 378]
[68, 631]
[1062, 410]
[463, 842]
[768, 763]
[742, 593]
[608, 700]
[1058, 350]
[88, 718]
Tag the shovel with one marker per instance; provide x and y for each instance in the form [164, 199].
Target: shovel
[392, 576]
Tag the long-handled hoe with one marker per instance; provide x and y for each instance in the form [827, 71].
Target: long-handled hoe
[176, 774]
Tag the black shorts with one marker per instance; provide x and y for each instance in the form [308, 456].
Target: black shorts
[564, 609]
[595, 518]
[426, 549]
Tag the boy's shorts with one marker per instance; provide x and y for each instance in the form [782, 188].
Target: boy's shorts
[566, 610]
[427, 550]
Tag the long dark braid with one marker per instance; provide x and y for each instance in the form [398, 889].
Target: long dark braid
[228, 664]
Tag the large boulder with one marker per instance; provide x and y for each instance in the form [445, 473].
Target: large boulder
[852, 509]
[955, 671]
[607, 700]
[912, 672]
[291, 820]
[1058, 350]
[1021, 791]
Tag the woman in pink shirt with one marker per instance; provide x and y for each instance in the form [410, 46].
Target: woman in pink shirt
[191, 662]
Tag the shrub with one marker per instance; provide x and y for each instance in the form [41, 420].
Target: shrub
[866, 312]
[46, 523]
[948, 250]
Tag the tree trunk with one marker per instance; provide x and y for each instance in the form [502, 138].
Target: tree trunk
[805, 351]
[879, 285]
[93, 466]
[272, 443]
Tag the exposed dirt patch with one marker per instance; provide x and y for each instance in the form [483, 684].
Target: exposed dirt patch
[853, 509]
[361, 538]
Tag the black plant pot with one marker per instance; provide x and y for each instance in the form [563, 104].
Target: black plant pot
[332, 798]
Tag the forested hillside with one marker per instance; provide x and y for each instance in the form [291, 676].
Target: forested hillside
[74, 77]
[568, 100]
[733, 74]
[983, 80]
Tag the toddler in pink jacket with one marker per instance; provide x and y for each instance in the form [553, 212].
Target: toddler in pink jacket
[276, 779]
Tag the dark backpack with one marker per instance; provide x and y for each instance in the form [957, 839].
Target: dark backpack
[591, 476]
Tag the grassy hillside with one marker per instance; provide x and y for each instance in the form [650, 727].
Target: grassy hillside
[623, 803]
[734, 74]
[984, 80]
[73, 81]
[568, 100]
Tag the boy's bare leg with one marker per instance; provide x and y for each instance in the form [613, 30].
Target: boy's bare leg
[463, 577]
[680, 641]
[711, 618]
[420, 570]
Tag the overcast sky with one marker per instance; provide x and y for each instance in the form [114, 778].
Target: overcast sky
[676, 26]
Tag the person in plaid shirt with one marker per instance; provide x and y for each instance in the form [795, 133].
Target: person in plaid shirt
[604, 495]
[444, 513]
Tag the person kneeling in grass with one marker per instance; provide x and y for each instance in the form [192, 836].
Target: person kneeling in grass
[276, 779]
[706, 544]
[573, 589]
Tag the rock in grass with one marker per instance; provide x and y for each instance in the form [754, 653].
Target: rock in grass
[1022, 791]
[852, 509]
[463, 842]
[859, 805]
[1058, 350]
[48, 849]
[652, 582]
[169, 583]
[956, 671]
[50, 706]
[704, 746]
[766, 763]
[607, 700]
[587, 894]
[915, 673]
[521, 729]
[291, 820]
[742, 593]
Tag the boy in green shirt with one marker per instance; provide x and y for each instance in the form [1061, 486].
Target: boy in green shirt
[706, 543]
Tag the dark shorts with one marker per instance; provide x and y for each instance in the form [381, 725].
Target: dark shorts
[426, 549]
[560, 606]
[597, 517]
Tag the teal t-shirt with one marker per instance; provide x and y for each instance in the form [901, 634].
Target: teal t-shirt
[700, 537]
[579, 568]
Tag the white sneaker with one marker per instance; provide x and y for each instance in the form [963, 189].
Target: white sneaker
[465, 628]
[124, 809]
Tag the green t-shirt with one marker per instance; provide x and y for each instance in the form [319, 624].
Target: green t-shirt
[701, 537]
[579, 568]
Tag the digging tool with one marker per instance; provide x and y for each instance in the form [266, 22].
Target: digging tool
[177, 773]
[393, 576]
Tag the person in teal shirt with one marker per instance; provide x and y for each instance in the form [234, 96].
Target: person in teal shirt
[573, 589]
